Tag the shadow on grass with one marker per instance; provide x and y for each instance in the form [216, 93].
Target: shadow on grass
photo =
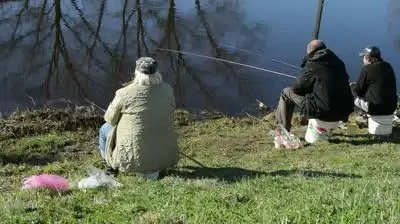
[313, 174]
[367, 139]
[235, 174]
[227, 174]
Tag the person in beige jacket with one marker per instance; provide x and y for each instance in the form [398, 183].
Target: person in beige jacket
[139, 134]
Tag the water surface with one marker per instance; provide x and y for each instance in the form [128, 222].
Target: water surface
[75, 50]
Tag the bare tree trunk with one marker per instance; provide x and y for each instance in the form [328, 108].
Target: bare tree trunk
[59, 47]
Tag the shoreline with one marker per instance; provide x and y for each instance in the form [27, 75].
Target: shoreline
[38, 121]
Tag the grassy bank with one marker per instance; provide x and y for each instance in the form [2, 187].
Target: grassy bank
[245, 180]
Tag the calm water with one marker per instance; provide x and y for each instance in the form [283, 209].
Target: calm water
[53, 49]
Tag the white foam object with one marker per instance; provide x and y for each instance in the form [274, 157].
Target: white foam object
[380, 125]
[97, 178]
[312, 135]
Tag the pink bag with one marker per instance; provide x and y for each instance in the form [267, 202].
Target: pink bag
[49, 181]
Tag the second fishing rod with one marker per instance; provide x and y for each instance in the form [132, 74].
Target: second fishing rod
[227, 61]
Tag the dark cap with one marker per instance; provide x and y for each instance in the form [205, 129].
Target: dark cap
[371, 51]
[146, 65]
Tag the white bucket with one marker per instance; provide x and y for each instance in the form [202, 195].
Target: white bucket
[319, 130]
[380, 125]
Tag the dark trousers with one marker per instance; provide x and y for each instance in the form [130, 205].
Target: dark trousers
[287, 103]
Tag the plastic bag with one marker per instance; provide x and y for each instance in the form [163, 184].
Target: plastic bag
[283, 138]
[52, 182]
[97, 178]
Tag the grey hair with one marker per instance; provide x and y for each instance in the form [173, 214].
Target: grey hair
[147, 80]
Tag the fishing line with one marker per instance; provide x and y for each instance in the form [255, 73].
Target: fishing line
[259, 54]
[227, 61]
[239, 49]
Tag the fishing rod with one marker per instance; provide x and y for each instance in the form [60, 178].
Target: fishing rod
[287, 64]
[95, 105]
[259, 54]
[227, 61]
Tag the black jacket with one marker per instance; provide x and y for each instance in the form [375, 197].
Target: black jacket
[377, 85]
[325, 85]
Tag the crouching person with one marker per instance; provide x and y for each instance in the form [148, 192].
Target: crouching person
[376, 92]
[322, 91]
[139, 134]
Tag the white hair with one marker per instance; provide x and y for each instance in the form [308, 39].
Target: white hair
[147, 80]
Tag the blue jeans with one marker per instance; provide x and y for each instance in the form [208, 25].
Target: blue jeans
[104, 131]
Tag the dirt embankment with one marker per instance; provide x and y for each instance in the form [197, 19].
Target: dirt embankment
[40, 121]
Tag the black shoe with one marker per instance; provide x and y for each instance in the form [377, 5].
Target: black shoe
[111, 172]
[162, 173]
[303, 121]
[382, 138]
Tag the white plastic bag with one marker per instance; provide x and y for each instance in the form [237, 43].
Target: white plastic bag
[283, 138]
[97, 178]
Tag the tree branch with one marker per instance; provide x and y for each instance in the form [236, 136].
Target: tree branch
[19, 15]
[99, 22]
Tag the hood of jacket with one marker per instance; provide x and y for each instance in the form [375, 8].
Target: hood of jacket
[324, 57]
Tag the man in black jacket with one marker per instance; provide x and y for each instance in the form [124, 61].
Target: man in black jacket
[375, 89]
[322, 90]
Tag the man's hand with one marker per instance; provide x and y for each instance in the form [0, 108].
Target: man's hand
[352, 87]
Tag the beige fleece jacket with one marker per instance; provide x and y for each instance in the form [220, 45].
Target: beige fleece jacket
[144, 137]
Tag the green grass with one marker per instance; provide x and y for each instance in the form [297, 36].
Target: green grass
[246, 180]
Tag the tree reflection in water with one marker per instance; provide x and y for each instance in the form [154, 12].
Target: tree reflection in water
[86, 49]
